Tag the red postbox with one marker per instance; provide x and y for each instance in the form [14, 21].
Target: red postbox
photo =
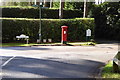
[64, 34]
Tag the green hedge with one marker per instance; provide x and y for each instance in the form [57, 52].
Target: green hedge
[51, 28]
[34, 13]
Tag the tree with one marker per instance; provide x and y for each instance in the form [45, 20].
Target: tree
[85, 9]
[51, 3]
[62, 3]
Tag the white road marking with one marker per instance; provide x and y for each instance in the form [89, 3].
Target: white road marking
[8, 61]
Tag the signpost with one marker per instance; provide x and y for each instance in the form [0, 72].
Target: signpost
[88, 35]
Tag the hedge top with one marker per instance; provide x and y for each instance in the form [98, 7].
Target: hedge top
[46, 19]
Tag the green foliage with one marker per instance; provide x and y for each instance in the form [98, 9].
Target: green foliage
[69, 5]
[51, 28]
[56, 5]
[74, 5]
[34, 13]
[22, 7]
[107, 20]
[108, 72]
[18, 3]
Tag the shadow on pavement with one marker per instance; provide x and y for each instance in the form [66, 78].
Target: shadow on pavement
[25, 48]
[107, 42]
[39, 68]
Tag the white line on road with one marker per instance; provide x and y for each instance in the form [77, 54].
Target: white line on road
[8, 61]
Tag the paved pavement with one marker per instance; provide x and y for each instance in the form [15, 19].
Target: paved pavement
[55, 61]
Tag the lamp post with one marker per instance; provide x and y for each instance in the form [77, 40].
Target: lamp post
[40, 31]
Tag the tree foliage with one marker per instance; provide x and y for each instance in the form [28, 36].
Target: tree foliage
[107, 20]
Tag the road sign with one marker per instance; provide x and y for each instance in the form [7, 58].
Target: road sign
[88, 32]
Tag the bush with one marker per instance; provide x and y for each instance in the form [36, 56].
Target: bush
[107, 21]
[34, 13]
[51, 28]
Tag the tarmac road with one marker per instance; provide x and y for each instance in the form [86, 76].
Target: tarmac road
[55, 61]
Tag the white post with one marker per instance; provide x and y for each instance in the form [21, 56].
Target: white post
[44, 40]
[27, 41]
[50, 40]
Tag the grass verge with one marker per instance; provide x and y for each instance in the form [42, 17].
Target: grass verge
[108, 71]
[16, 44]
[31, 44]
